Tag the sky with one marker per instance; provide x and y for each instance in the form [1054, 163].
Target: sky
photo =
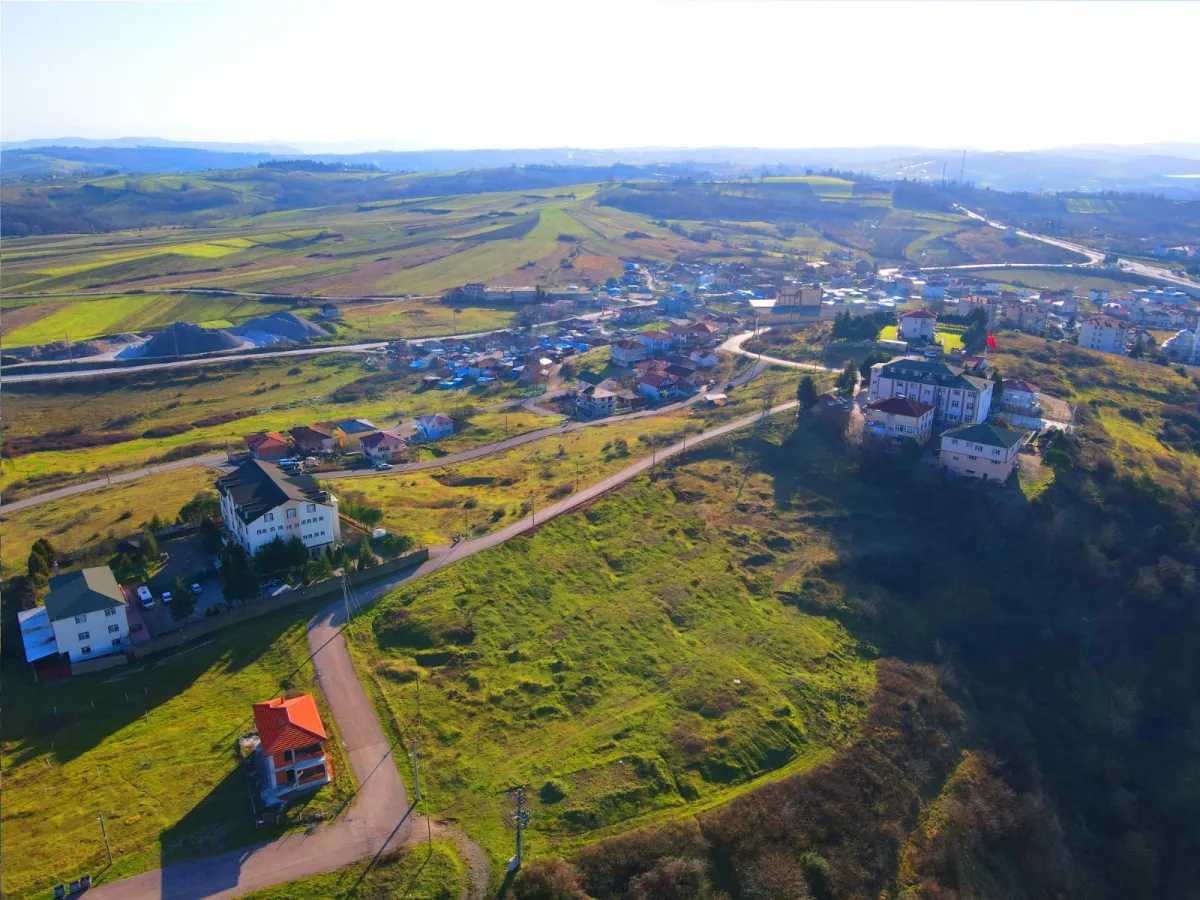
[656, 73]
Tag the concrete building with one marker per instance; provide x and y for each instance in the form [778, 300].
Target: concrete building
[87, 613]
[267, 445]
[981, 451]
[955, 396]
[433, 427]
[291, 746]
[350, 432]
[917, 326]
[893, 420]
[1105, 334]
[1021, 396]
[260, 503]
[382, 447]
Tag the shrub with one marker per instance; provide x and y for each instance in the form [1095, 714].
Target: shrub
[548, 879]
[554, 790]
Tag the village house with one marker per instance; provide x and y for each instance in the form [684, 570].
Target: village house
[382, 447]
[290, 751]
[917, 326]
[656, 341]
[350, 432]
[891, 421]
[626, 353]
[604, 399]
[1105, 334]
[983, 451]
[704, 359]
[1021, 396]
[311, 438]
[269, 445]
[1183, 347]
[260, 503]
[84, 616]
[432, 427]
[955, 396]
[657, 388]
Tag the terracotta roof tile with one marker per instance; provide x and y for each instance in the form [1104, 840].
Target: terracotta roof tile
[288, 724]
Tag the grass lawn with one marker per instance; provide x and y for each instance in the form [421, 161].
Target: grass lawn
[415, 873]
[629, 663]
[161, 765]
[419, 318]
[100, 516]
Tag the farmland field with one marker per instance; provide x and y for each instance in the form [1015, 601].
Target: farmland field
[123, 746]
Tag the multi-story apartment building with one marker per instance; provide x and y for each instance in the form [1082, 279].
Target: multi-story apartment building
[1105, 334]
[954, 395]
[260, 503]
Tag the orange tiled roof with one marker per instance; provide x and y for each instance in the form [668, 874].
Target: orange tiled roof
[288, 724]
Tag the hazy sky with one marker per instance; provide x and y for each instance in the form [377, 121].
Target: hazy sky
[1019, 75]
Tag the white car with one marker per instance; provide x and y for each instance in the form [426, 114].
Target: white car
[148, 604]
[144, 594]
[196, 589]
[166, 596]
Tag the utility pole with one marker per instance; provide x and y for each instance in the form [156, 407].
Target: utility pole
[175, 336]
[533, 508]
[70, 357]
[346, 597]
[108, 849]
[521, 816]
[416, 774]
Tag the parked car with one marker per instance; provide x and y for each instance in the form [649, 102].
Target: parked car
[382, 467]
[148, 604]
[166, 596]
[144, 594]
[196, 589]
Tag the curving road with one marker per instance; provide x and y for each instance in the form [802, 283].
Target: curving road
[734, 345]
[380, 817]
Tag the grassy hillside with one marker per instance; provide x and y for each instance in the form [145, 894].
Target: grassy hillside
[155, 754]
[629, 663]
[416, 873]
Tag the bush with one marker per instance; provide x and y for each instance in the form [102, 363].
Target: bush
[553, 791]
[390, 546]
[548, 879]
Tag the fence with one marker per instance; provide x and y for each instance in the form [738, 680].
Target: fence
[198, 629]
[99, 664]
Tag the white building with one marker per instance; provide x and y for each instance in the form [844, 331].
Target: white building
[85, 610]
[917, 326]
[956, 396]
[1021, 396]
[1105, 334]
[1183, 347]
[260, 503]
[986, 452]
[431, 428]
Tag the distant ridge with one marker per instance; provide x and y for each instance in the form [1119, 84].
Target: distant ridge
[141, 142]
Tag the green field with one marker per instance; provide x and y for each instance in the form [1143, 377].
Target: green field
[421, 872]
[155, 752]
[629, 663]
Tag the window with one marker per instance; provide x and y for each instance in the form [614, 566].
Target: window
[84, 651]
[269, 517]
[116, 642]
[291, 514]
[111, 611]
[114, 629]
[79, 620]
[83, 635]
[312, 507]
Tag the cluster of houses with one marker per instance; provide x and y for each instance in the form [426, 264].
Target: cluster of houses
[378, 446]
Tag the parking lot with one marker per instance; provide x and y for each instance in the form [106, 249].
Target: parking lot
[187, 561]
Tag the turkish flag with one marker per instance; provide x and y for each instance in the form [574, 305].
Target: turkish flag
[991, 341]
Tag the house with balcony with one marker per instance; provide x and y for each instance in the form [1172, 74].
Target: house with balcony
[1021, 396]
[291, 747]
[626, 353]
[260, 503]
[1105, 334]
[917, 326]
[382, 447]
[955, 396]
[350, 432]
[311, 438]
[432, 428]
[890, 421]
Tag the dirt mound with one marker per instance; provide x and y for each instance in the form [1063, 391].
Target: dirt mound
[279, 326]
[182, 339]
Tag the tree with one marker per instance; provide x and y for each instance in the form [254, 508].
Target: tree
[203, 507]
[847, 379]
[148, 551]
[316, 569]
[44, 549]
[37, 565]
[997, 388]
[806, 393]
[156, 523]
[183, 602]
[210, 536]
[241, 581]
[875, 356]
[366, 556]
[392, 545]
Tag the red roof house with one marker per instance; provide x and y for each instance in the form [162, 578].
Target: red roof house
[291, 744]
[267, 445]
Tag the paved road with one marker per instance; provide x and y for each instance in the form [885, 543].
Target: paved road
[210, 459]
[362, 347]
[380, 817]
[734, 345]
